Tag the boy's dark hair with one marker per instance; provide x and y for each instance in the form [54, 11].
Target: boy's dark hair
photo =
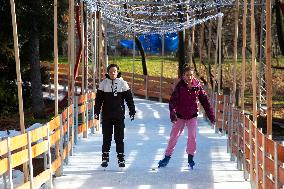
[186, 68]
[112, 65]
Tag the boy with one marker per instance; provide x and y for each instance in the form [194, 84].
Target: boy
[112, 93]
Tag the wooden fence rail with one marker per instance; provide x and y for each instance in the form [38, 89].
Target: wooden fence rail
[260, 157]
[147, 86]
[63, 129]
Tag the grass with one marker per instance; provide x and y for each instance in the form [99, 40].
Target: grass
[170, 66]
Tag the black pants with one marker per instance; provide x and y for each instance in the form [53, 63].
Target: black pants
[108, 126]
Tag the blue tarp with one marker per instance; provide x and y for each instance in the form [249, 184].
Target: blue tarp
[153, 43]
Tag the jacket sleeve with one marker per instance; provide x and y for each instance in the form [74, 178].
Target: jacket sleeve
[205, 102]
[173, 103]
[129, 99]
[99, 100]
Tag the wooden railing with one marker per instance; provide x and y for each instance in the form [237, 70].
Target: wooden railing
[147, 86]
[260, 157]
[62, 130]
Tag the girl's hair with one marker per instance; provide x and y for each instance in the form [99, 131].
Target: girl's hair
[112, 65]
[186, 68]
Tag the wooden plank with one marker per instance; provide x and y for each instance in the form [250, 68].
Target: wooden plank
[269, 146]
[220, 106]
[82, 99]
[65, 127]
[64, 115]
[269, 183]
[260, 173]
[26, 185]
[54, 124]
[39, 148]
[269, 165]
[37, 181]
[56, 164]
[281, 175]
[81, 109]
[41, 178]
[19, 141]
[259, 135]
[260, 157]
[220, 98]
[247, 121]
[280, 153]
[55, 137]
[38, 133]
[91, 123]
[70, 108]
[4, 166]
[19, 158]
[3, 147]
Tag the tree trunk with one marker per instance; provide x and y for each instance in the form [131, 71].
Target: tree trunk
[143, 55]
[37, 97]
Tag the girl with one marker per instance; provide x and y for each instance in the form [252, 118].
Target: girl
[183, 112]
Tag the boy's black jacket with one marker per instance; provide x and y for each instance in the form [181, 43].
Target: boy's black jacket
[111, 95]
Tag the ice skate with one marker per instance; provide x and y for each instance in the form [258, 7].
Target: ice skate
[191, 163]
[164, 162]
[120, 161]
[105, 160]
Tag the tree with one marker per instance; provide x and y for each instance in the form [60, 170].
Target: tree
[35, 28]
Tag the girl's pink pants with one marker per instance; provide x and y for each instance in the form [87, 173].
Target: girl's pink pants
[177, 129]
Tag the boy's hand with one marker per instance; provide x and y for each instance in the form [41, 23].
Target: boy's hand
[132, 115]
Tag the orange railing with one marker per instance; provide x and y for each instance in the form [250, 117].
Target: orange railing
[261, 158]
[59, 134]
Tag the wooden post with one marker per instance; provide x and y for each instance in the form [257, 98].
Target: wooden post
[55, 47]
[100, 46]
[201, 43]
[19, 79]
[216, 58]
[209, 55]
[235, 52]
[83, 47]
[268, 67]
[220, 50]
[256, 154]
[87, 53]
[253, 63]
[50, 184]
[10, 163]
[94, 47]
[105, 45]
[276, 167]
[72, 62]
[133, 63]
[263, 163]
[244, 56]
[30, 160]
[162, 67]
[192, 44]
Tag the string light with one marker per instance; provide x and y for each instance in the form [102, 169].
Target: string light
[148, 17]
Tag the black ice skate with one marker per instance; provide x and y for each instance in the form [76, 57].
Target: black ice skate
[105, 159]
[191, 163]
[164, 162]
[120, 160]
